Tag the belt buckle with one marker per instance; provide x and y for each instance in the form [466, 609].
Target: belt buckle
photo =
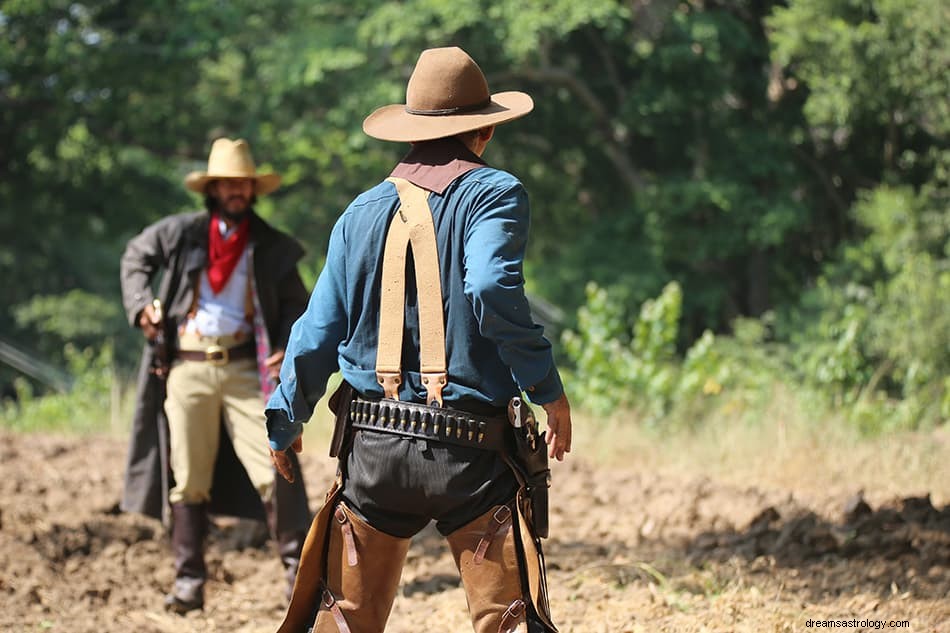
[217, 355]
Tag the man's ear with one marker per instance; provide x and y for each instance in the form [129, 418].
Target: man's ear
[486, 133]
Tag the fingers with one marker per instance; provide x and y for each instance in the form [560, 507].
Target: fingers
[559, 427]
[273, 363]
[297, 444]
[275, 359]
[558, 449]
[149, 322]
[283, 465]
[559, 438]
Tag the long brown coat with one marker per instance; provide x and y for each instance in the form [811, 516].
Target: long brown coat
[178, 247]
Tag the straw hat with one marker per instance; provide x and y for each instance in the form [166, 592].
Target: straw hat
[447, 95]
[231, 159]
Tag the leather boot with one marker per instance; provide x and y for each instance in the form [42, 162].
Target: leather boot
[289, 547]
[363, 570]
[487, 560]
[189, 528]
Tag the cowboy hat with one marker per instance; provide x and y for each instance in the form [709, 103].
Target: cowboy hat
[447, 94]
[231, 159]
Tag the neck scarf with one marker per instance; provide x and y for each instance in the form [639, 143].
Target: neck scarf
[225, 252]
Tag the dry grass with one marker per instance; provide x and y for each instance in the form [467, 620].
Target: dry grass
[784, 448]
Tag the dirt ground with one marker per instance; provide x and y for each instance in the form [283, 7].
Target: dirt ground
[633, 549]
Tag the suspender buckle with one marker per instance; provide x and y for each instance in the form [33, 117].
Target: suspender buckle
[390, 380]
[434, 382]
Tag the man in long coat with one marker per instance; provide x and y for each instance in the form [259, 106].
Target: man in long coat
[215, 331]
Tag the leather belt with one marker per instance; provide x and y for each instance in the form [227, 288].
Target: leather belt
[410, 419]
[218, 355]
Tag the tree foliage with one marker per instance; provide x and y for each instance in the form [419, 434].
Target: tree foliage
[771, 158]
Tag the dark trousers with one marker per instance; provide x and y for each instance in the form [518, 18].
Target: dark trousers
[398, 484]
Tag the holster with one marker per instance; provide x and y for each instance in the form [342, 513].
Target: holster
[528, 458]
[339, 404]
[533, 575]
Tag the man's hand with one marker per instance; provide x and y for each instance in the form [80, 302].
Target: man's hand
[282, 460]
[559, 427]
[150, 322]
[273, 363]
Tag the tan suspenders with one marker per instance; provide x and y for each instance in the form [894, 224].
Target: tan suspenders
[411, 228]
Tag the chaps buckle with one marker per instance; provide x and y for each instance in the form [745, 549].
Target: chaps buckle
[217, 355]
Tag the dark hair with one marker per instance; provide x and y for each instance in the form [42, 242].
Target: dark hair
[469, 137]
[211, 203]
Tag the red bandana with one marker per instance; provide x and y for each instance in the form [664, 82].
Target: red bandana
[224, 253]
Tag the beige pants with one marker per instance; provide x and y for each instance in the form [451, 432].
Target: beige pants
[199, 396]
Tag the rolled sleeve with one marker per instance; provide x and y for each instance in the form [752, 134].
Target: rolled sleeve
[281, 432]
[546, 390]
[144, 255]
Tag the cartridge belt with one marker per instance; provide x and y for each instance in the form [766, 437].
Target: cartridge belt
[452, 426]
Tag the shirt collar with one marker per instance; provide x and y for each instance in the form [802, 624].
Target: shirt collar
[434, 165]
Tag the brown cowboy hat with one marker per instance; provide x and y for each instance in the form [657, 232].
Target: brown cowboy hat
[231, 159]
[447, 95]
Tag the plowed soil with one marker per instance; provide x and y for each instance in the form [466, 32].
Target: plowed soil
[633, 549]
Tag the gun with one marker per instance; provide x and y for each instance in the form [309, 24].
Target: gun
[339, 405]
[529, 460]
[160, 360]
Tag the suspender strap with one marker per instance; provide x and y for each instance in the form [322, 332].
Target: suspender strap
[411, 228]
[249, 291]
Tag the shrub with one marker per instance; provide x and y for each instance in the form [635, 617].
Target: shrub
[89, 405]
[636, 367]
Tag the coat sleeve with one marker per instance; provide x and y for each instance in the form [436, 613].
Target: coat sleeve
[145, 255]
[292, 298]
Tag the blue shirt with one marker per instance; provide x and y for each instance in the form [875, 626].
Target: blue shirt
[494, 350]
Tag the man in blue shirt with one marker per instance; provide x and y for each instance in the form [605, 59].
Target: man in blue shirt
[428, 439]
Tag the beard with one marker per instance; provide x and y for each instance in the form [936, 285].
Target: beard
[234, 209]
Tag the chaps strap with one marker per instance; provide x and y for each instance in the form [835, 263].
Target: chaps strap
[329, 602]
[500, 519]
[349, 542]
[512, 617]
